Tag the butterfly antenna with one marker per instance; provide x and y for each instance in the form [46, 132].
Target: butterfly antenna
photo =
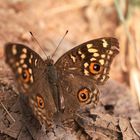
[38, 43]
[59, 43]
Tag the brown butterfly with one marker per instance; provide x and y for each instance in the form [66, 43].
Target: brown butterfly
[69, 84]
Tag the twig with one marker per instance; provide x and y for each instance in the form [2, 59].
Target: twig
[7, 112]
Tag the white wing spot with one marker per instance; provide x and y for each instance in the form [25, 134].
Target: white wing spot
[14, 50]
[32, 101]
[104, 43]
[30, 61]
[95, 54]
[30, 71]
[79, 52]
[105, 71]
[110, 52]
[103, 78]
[86, 65]
[24, 50]
[93, 59]
[19, 70]
[24, 65]
[95, 91]
[21, 61]
[82, 56]
[31, 56]
[73, 58]
[108, 57]
[102, 61]
[89, 45]
[17, 64]
[73, 68]
[23, 56]
[103, 56]
[92, 50]
[31, 79]
[86, 72]
[35, 62]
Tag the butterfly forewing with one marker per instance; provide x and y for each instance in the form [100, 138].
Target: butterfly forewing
[91, 59]
[24, 63]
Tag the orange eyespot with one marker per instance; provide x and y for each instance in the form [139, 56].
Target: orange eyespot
[25, 75]
[40, 102]
[95, 68]
[83, 94]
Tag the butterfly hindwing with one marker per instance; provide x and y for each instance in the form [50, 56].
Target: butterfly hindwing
[79, 94]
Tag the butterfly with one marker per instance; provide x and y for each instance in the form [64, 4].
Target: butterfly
[69, 84]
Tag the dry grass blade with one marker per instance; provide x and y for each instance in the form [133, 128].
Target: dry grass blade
[131, 58]
[135, 79]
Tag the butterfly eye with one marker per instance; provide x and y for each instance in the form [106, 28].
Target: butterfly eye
[40, 102]
[95, 68]
[83, 95]
[25, 75]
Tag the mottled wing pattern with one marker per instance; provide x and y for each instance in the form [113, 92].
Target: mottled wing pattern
[91, 59]
[25, 64]
[79, 93]
[81, 69]
[29, 70]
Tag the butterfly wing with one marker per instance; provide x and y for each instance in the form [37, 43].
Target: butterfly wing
[81, 69]
[29, 69]
[91, 59]
[78, 94]
[25, 64]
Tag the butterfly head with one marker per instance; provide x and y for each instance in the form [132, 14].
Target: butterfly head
[49, 61]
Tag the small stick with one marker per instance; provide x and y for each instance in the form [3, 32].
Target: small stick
[7, 112]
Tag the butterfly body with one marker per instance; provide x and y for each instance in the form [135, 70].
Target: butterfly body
[66, 86]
